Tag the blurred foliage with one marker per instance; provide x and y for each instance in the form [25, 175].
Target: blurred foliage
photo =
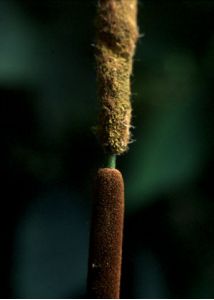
[50, 155]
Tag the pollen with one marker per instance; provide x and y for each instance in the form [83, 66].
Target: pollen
[116, 37]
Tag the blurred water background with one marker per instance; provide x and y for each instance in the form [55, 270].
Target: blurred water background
[48, 107]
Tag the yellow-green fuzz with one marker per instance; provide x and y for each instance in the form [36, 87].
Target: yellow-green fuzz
[116, 36]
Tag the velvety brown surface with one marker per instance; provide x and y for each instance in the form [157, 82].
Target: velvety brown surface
[106, 235]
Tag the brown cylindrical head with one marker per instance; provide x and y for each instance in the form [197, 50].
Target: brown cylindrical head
[106, 236]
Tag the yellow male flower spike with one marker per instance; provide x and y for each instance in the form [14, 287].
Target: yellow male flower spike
[117, 33]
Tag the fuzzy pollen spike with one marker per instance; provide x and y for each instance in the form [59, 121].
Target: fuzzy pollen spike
[116, 37]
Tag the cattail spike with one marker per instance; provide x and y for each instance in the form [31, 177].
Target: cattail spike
[106, 235]
[117, 33]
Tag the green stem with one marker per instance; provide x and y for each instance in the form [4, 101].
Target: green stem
[111, 161]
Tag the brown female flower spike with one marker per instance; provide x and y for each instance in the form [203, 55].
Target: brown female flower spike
[116, 36]
[106, 235]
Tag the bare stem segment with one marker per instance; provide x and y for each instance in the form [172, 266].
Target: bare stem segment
[105, 255]
[117, 33]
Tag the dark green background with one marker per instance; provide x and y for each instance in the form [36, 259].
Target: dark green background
[49, 154]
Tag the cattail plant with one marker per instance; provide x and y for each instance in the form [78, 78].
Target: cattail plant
[116, 36]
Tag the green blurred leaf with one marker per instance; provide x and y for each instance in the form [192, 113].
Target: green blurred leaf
[169, 152]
